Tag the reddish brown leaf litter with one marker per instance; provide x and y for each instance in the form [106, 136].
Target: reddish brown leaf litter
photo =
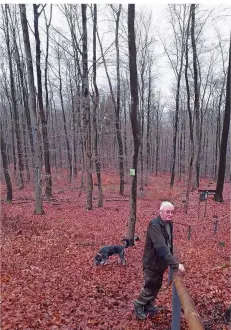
[47, 274]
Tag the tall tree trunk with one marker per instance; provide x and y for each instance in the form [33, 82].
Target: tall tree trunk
[224, 138]
[86, 111]
[148, 121]
[34, 122]
[125, 126]
[157, 137]
[196, 101]
[9, 194]
[64, 117]
[46, 147]
[117, 108]
[24, 92]
[134, 120]
[190, 169]
[25, 148]
[14, 101]
[116, 105]
[95, 107]
[46, 62]
[218, 130]
[74, 125]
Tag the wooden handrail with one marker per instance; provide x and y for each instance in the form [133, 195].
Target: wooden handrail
[192, 317]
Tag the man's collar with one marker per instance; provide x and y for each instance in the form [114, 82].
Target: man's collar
[163, 223]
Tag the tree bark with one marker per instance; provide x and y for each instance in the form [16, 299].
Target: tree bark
[95, 107]
[34, 122]
[196, 101]
[116, 105]
[190, 169]
[134, 120]
[9, 194]
[63, 114]
[86, 111]
[224, 138]
[24, 92]
[14, 101]
[46, 146]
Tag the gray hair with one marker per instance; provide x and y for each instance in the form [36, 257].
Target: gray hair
[164, 204]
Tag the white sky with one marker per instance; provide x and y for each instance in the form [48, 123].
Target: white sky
[159, 21]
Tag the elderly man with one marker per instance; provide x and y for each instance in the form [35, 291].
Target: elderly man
[158, 255]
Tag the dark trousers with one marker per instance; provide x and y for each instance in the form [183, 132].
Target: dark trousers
[152, 283]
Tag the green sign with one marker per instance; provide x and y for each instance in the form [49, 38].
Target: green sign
[132, 171]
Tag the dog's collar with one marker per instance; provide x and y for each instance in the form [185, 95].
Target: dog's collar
[99, 254]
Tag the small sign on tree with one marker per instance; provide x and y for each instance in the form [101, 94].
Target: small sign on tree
[132, 172]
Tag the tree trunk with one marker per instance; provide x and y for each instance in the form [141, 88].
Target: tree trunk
[196, 101]
[148, 122]
[117, 108]
[95, 107]
[86, 111]
[14, 101]
[190, 169]
[74, 125]
[64, 117]
[46, 147]
[9, 194]
[224, 138]
[34, 122]
[134, 120]
[116, 105]
[24, 93]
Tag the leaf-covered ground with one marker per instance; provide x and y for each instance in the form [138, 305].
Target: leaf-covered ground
[47, 272]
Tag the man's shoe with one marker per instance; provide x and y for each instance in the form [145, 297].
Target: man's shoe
[139, 311]
[151, 309]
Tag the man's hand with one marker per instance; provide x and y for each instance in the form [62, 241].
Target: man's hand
[181, 268]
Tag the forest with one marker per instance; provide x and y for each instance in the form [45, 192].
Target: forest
[107, 110]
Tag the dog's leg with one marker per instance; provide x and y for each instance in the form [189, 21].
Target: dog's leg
[104, 261]
[122, 258]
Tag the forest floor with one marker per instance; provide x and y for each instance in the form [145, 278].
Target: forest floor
[47, 272]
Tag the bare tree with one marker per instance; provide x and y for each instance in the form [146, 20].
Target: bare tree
[34, 119]
[178, 19]
[195, 182]
[13, 98]
[116, 101]
[95, 108]
[134, 120]
[9, 194]
[46, 146]
[224, 139]
[86, 111]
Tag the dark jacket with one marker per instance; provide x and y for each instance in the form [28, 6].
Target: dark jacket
[157, 254]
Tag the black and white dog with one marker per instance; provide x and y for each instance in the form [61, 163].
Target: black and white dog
[106, 251]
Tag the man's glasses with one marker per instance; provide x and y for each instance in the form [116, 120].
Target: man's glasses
[169, 211]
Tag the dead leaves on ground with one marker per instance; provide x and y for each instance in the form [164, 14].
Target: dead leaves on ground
[48, 278]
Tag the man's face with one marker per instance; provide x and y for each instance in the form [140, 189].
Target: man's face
[167, 213]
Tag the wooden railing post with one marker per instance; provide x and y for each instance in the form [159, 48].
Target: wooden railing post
[192, 317]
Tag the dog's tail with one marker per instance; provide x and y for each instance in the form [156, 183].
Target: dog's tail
[125, 242]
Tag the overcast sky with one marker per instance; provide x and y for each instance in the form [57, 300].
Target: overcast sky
[159, 22]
